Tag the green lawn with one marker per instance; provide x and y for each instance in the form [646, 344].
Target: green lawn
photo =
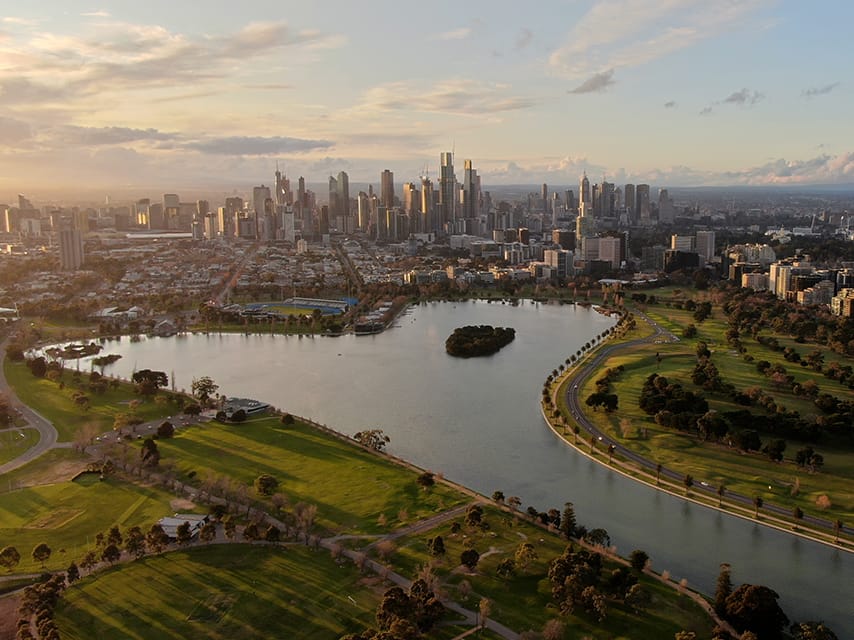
[350, 487]
[55, 465]
[14, 443]
[57, 404]
[749, 474]
[525, 602]
[68, 515]
[230, 592]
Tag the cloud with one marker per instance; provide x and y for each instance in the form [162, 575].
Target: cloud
[13, 131]
[615, 34]
[743, 98]
[272, 86]
[95, 136]
[706, 111]
[22, 22]
[114, 58]
[256, 146]
[523, 38]
[96, 14]
[460, 97]
[670, 104]
[823, 169]
[455, 34]
[819, 91]
[596, 83]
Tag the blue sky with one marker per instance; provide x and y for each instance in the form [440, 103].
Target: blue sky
[179, 94]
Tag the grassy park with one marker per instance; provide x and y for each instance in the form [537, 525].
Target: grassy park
[353, 489]
[524, 601]
[68, 515]
[227, 591]
[751, 474]
[14, 442]
[58, 405]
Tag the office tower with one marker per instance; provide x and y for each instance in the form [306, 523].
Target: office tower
[569, 203]
[469, 192]
[411, 198]
[70, 245]
[140, 212]
[333, 197]
[260, 195]
[363, 211]
[606, 199]
[705, 244]
[629, 199]
[387, 189]
[427, 204]
[24, 204]
[343, 194]
[544, 196]
[666, 211]
[447, 190]
[642, 203]
[584, 193]
[283, 194]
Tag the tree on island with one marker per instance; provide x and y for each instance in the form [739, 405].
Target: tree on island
[469, 341]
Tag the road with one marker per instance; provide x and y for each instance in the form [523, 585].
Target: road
[591, 365]
[48, 435]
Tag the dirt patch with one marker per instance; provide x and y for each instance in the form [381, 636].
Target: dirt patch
[8, 616]
[181, 504]
[57, 517]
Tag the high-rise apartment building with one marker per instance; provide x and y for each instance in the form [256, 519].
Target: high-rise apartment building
[629, 200]
[705, 243]
[343, 194]
[470, 195]
[666, 211]
[584, 193]
[642, 203]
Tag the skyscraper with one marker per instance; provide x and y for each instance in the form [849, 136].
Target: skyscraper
[387, 189]
[301, 203]
[70, 245]
[343, 194]
[470, 195]
[428, 219]
[332, 210]
[642, 203]
[411, 198]
[447, 190]
[544, 196]
[584, 193]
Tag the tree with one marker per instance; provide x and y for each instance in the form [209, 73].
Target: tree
[111, 553]
[506, 569]
[798, 515]
[721, 493]
[135, 542]
[374, 439]
[757, 505]
[72, 574]
[287, 419]
[114, 536]
[148, 381]
[272, 534]
[41, 553]
[469, 558]
[156, 539]
[208, 532]
[755, 608]
[194, 409]
[250, 532]
[688, 481]
[238, 416]
[89, 560]
[436, 546]
[638, 560]
[149, 453]
[9, 557]
[567, 522]
[426, 480]
[183, 534]
[203, 388]
[474, 515]
[498, 496]
[723, 589]
[525, 555]
[165, 430]
[553, 630]
[638, 598]
[266, 485]
[812, 631]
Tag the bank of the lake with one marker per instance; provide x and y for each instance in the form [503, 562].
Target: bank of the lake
[478, 422]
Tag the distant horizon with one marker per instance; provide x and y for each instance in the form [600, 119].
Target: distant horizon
[127, 195]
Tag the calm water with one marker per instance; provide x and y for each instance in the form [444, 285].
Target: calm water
[478, 422]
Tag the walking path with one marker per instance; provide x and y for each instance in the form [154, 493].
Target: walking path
[48, 434]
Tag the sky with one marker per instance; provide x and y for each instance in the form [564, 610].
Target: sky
[129, 95]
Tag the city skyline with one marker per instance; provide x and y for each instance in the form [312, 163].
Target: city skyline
[673, 93]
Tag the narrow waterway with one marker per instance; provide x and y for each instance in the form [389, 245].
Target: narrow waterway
[478, 422]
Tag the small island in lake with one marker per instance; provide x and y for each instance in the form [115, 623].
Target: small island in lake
[466, 342]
